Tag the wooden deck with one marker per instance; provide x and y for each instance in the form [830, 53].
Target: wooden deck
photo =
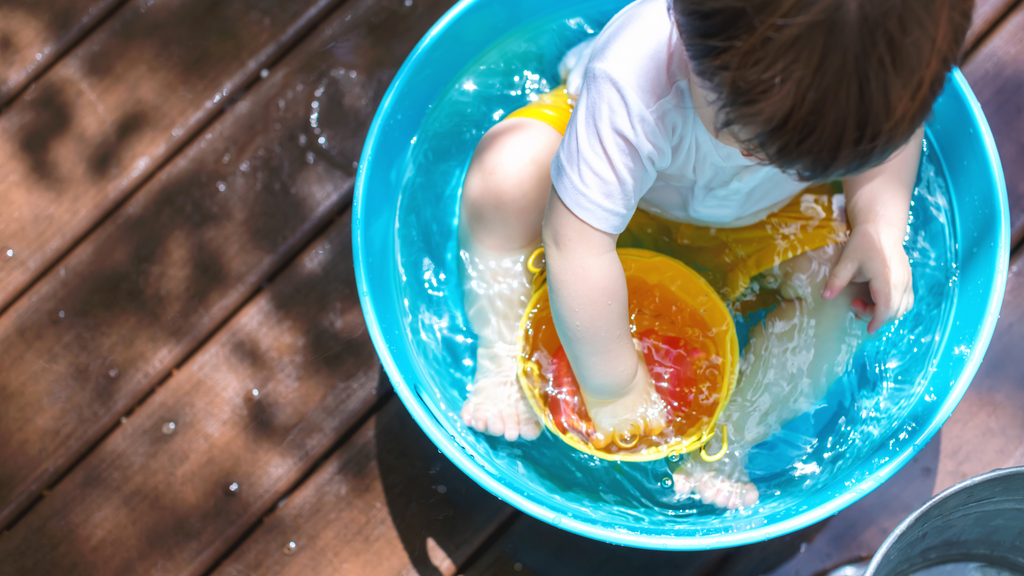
[186, 383]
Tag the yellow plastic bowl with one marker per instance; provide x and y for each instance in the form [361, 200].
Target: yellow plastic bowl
[667, 296]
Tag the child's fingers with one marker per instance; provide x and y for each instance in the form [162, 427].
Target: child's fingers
[884, 306]
[906, 303]
[863, 310]
[842, 274]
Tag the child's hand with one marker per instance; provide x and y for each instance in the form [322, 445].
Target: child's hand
[875, 254]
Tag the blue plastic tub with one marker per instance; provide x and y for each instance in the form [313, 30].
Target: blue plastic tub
[968, 156]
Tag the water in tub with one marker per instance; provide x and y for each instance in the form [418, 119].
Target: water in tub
[866, 404]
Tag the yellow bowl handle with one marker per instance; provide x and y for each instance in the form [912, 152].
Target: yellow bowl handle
[531, 262]
[721, 453]
[538, 270]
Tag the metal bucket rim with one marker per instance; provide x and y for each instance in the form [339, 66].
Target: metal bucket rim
[900, 530]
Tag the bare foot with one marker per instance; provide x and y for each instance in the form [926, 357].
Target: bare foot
[714, 488]
[496, 404]
[641, 412]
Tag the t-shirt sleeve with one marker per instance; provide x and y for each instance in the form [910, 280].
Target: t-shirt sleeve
[606, 161]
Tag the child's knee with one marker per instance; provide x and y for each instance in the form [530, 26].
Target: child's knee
[509, 174]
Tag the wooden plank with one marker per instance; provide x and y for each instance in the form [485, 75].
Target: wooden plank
[533, 548]
[386, 504]
[254, 409]
[112, 319]
[986, 14]
[996, 74]
[984, 433]
[99, 122]
[33, 33]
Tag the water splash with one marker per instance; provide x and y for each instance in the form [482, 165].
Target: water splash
[866, 405]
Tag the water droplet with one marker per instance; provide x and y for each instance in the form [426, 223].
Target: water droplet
[289, 548]
[233, 488]
[315, 104]
[168, 428]
[302, 139]
[222, 186]
[441, 488]
[264, 73]
[666, 482]
[244, 166]
[114, 372]
[226, 158]
[321, 140]
[309, 157]
[518, 566]
[10, 253]
[556, 520]
[673, 457]
[255, 393]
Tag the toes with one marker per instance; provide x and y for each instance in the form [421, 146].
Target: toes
[736, 496]
[529, 427]
[709, 488]
[480, 419]
[530, 432]
[511, 420]
[601, 438]
[682, 484]
[724, 495]
[495, 425]
[751, 495]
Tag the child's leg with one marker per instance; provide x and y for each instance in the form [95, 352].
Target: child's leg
[503, 201]
[803, 346]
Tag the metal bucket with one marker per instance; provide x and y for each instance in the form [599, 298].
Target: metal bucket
[978, 520]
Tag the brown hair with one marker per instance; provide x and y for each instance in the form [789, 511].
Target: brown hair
[823, 88]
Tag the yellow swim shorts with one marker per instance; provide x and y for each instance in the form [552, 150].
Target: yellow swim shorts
[553, 109]
[727, 257]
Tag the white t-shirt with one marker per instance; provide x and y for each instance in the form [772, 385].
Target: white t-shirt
[635, 139]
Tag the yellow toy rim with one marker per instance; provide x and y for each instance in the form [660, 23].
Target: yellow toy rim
[529, 370]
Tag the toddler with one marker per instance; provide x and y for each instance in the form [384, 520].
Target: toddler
[773, 141]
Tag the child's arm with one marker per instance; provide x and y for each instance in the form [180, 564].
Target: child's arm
[878, 205]
[587, 287]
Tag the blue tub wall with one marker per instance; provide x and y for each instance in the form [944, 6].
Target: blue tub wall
[968, 156]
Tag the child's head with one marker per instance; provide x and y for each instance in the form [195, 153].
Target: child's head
[823, 88]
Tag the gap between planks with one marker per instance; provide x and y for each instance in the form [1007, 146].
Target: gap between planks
[176, 260]
[111, 136]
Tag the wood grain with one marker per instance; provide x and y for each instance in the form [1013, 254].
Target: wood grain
[33, 33]
[533, 548]
[386, 504]
[996, 74]
[986, 14]
[112, 319]
[254, 409]
[101, 120]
